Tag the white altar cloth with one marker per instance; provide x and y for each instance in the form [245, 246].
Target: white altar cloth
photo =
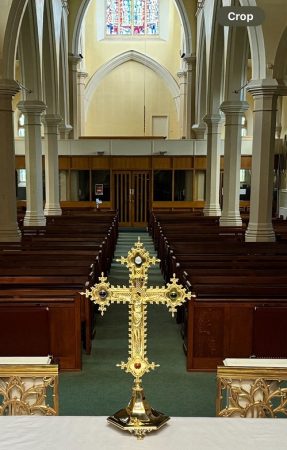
[180, 433]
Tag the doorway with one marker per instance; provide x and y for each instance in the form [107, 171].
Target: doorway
[131, 197]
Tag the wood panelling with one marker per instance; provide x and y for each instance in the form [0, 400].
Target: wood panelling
[20, 162]
[178, 205]
[100, 162]
[183, 162]
[246, 162]
[131, 162]
[80, 162]
[200, 162]
[134, 162]
[64, 162]
[69, 204]
[161, 162]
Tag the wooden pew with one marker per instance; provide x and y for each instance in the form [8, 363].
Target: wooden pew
[64, 337]
[47, 266]
[232, 283]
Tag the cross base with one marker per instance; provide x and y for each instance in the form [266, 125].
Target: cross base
[138, 417]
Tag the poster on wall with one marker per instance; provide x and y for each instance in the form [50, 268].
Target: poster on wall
[99, 189]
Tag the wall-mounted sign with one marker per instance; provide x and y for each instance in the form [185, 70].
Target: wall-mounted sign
[99, 189]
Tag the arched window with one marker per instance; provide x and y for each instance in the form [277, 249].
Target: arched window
[132, 17]
[21, 129]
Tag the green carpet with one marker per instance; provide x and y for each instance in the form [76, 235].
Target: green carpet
[101, 388]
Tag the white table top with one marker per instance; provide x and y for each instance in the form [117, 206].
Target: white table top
[180, 433]
[41, 360]
[255, 362]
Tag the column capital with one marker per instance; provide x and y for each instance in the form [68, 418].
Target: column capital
[74, 60]
[181, 74]
[82, 75]
[234, 107]
[265, 87]
[212, 119]
[52, 119]
[199, 130]
[32, 106]
[190, 60]
[9, 87]
[65, 130]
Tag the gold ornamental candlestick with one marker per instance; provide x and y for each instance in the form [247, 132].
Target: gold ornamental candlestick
[138, 417]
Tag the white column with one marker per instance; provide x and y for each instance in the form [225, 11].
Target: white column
[279, 118]
[32, 110]
[52, 206]
[212, 206]
[9, 231]
[182, 102]
[190, 94]
[234, 111]
[81, 106]
[260, 227]
[73, 63]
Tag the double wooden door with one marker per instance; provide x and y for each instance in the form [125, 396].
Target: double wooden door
[131, 197]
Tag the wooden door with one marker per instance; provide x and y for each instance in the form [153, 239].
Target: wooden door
[140, 198]
[131, 197]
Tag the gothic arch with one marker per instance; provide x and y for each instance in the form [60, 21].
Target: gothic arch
[30, 51]
[132, 55]
[280, 62]
[14, 20]
[201, 75]
[257, 46]
[236, 63]
[215, 72]
[51, 43]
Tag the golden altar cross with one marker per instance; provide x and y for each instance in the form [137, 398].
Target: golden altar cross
[138, 417]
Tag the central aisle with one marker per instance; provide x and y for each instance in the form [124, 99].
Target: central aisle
[102, 388]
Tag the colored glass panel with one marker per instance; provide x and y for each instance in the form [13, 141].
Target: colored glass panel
[132, 17]
[112, 17]
[152, 17]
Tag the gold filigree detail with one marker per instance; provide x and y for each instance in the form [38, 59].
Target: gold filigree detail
[252, 394]
[22, 396]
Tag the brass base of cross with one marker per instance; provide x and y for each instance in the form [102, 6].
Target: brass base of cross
[138, 417]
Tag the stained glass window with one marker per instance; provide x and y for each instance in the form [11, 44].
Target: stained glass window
[132, 17]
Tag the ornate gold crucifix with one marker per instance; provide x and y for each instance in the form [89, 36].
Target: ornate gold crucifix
[138, 417]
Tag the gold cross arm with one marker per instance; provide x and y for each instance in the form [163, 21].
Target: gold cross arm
[173, 295]
[103, 294]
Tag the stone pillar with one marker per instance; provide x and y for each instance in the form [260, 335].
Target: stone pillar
[32, 110]
[182, 102]
[278, 119]
[73, 85]
[190, 94]
[52, 206]
[81, 106]
[260, 227]
[234, 111]
[9, 231]
[212, 206]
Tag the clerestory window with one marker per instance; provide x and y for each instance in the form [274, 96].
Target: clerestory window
[132, 17]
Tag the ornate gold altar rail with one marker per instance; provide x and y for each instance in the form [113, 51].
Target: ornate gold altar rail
[251, 392]
[29, 389]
